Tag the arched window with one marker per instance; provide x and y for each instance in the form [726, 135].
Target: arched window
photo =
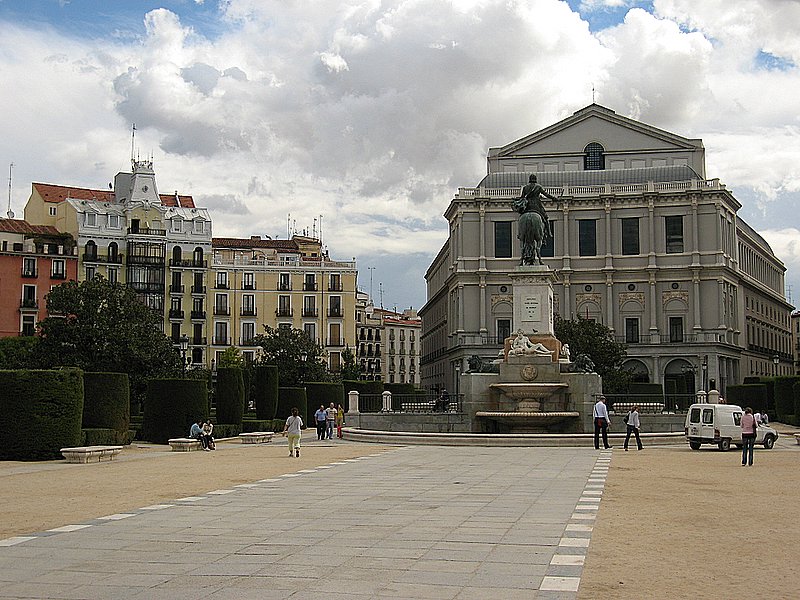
[593, 159]
[91, 250]
[113, 252]
[176, 255]
[198, 257]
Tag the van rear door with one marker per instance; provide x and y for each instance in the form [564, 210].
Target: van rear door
[707, 423]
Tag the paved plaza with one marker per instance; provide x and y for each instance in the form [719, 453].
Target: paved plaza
[413, 522]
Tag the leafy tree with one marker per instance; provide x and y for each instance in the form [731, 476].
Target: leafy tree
[350, 370]
[298, 357]
[231, 357]
[597, 341]
[103, 326]
[17, 352]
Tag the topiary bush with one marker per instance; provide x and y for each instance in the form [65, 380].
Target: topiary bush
[229, 396]
[265, 391]
[363, 387]
[250, 425]
[97, 436]
[106, 402]
[323, 393]
[40, 413]
[172, 406]
[784, 396]
[291, 397]
[226, 430]
[796, 394]
[753, 395]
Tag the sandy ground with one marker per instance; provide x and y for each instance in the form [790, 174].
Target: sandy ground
[673, 523]
[39, 496]
[677, 523]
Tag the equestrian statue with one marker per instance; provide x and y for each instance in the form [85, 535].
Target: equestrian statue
[534, 227]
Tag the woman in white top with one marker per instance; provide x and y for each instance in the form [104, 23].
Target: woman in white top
[292, 429]
[633, 427]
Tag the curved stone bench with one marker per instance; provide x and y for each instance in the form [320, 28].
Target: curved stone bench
[85, 454]
[256, 437]
[185, 444]
[797, 437]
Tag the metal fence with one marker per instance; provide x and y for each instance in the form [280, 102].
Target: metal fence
[411, 403]
[650, 403]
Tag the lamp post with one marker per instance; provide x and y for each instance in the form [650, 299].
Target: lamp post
[211, 402]
[303, 358]
[458, 381]
[776, 361]
[705, 373]
[183, 342]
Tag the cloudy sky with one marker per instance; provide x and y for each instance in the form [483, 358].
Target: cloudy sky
[372, 113]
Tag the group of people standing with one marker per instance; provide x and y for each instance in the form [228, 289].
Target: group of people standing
[328, 418]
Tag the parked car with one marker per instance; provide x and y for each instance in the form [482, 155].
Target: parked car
[720, 424]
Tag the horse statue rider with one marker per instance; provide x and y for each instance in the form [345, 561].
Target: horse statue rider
[534, 227]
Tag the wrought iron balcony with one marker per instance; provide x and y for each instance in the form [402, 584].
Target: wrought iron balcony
[188, 262]
[175, 314]
[284, 312]
[31, 303]
[146, 231]
[30, 272]
[177, 289]
[198, 289]
[221, 341]
[248, 312]
[198, 314]
[335, 312]
[222, 311]
[309, 287]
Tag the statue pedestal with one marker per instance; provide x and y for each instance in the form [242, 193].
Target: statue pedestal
[533, 300]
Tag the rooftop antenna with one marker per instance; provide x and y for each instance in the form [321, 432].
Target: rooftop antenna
[371, 269]
[789, 293]
[10, 212]
[288, 226]
[592, 93]
[380, 288]
[133, 139]
[320, 229]
[314, 229]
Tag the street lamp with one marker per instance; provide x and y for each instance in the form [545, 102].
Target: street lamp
[183, 342]
[705, 372]
[303, 357]
[776, 361]
[458, 373]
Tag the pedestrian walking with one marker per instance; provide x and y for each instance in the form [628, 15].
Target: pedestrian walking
[339, 420]
[601, 423]
[632, 421]
[292, 429]
[320, 417]
[330, 420]
[749, 432]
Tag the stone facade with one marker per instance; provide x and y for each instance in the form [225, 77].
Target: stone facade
[643, 242]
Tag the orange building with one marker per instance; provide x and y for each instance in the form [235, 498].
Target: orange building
[33, 259]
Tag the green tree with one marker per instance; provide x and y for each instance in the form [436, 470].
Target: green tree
[231, 357]
[103, 326]
[298, 357]
[596, 341]
[350, 370]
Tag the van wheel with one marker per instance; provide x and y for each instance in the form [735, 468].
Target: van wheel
[694, 445]
[724, 445]
[769, 442]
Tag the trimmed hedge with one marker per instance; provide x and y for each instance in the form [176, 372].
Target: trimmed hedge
[172, 406]
[323, 393]
[40, 413]
[229, 395]
[226, 430]
[265, 390]
[753, 395]
[105, 437]
[291, 397]
[106, 402]
[796, 394]
[784, 397]
[251, 425]
[363, 387]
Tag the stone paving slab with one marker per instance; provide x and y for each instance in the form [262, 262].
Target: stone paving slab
[416, 522]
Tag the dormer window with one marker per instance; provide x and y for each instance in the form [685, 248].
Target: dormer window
[113, 221]
[593, 159]
[199, 226]
[91, 220]
[177, 224]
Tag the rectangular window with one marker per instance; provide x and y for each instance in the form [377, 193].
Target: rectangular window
[91, 219]
[335, 306]
[587, 237]
[335, 283]
[90, 273]
[113, 275]
[284, 282]
[675, 329]
[310, 283]
[248, 281]
[549, 245]
[113, 221]
[28, 267]
[29, 295]
[284, 306]
[52, 211]
[503, 329]
[59, 269]
[630, 236]
[175, 332]
[28, 325]
[221, 333]
[502, 239]
[199, 226]
[310, 330]
[248, 305]
[673, 229]
[177, 225]
[309, 306]
[248, 332]
[222, 280]
[335, 362]
[631, 330]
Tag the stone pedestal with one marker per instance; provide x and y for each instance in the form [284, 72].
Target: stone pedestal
[533, 299]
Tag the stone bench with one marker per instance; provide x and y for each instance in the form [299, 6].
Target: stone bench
[256, 437]
[185, 444]
[797, 437]
[85, 454]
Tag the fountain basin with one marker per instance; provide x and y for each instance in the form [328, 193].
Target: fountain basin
[527, 421]
[529, 391]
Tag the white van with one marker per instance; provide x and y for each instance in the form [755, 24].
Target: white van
[721, 424]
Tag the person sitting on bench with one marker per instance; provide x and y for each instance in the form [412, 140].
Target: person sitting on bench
[196, 432]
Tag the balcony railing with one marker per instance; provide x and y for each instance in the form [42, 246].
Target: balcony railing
[248, 341]
[249, 312]
[58, 275]
[248, 286]
[221, 285]
[335, 287]
[198, 341]
[146, 287]
[310, 312]
[198, 314]
[309, 287]
[335, 312]
[146, 231]
[29, 303]
[188, 262]
[221, 341]
[198, 289]
[32, 273]
[335, 341]
[284, 287]
[177, 289]
[114, 259]
[284, 312]
[222, 311]
[175, 314]
[142, 259]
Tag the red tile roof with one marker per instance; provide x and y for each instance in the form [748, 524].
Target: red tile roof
[21, 226]
[59, 193]
[286, 245]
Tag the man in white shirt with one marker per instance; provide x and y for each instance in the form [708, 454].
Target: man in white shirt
[601, 422]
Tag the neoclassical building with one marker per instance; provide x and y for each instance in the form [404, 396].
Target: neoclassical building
[643, 241]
